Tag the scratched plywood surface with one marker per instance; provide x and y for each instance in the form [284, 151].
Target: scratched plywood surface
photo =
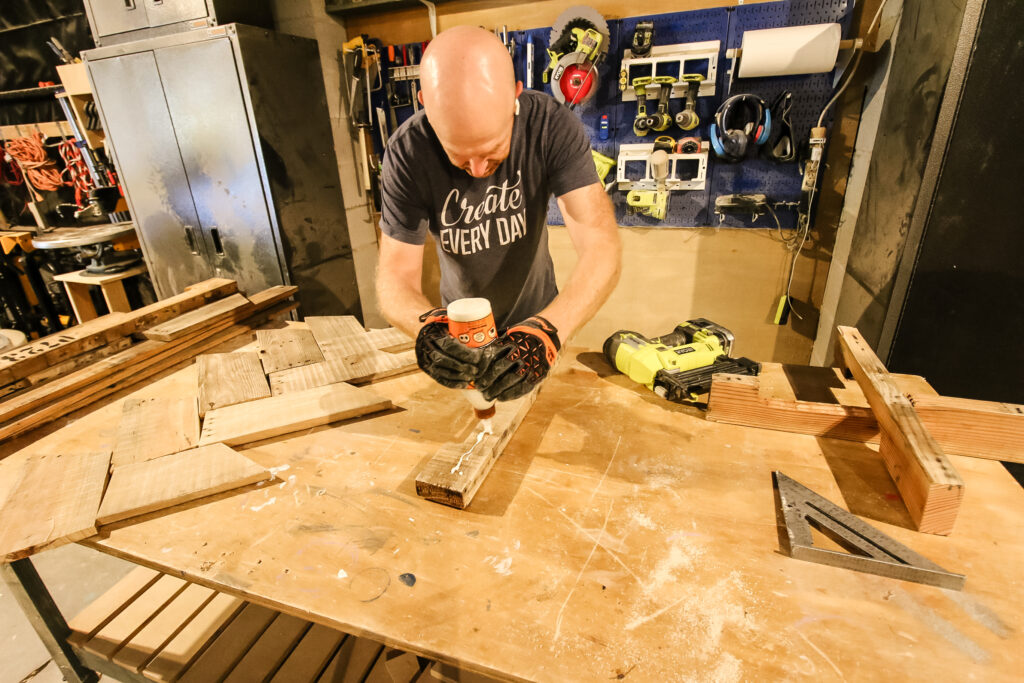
[154, 427]
[614, 524]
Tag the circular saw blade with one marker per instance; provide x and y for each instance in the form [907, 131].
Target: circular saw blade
[580, 16]
[575, 79]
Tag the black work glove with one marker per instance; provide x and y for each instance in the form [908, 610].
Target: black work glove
[518, 360]
[448, 361]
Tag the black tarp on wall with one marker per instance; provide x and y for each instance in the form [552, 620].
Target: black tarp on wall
[25, 60]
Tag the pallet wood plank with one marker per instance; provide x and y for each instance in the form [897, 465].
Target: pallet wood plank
[471, 459]
[153, 427]
[230, 646]
[930, 485]
[234, 307]
[41, 353]
[117, 372]
[390, 339]
[326, 328]
[229, 378]
[193, 639]
[103, 609]
[352, 662]
[164, 482]
[270, 650]
[310, 656]
[80, 361]
[54, 502]
[277, 415]
[144, 645]
[112, 637]
[287, 348]
[355, 368]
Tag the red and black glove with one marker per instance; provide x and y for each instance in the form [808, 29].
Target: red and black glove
[522, 358]
[449, 362]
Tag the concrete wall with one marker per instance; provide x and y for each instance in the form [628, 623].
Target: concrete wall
[889, 163]
[308, 19]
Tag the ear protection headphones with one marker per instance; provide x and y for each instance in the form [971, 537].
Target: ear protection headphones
[740, 119]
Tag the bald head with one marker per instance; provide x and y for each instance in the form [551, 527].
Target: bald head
[469, 91]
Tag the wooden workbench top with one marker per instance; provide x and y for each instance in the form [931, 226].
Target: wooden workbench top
[618, 536]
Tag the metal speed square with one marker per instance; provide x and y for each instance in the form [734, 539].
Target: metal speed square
[798, 509]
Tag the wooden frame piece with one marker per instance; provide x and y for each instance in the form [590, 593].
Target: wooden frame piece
[836, 409]
[930, 485]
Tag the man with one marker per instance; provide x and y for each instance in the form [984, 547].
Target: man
[476, 168]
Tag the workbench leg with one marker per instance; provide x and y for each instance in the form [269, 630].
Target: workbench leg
[37, 604]
[81, 301]
[113, 294]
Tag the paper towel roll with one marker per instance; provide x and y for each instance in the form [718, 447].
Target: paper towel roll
[790, 50]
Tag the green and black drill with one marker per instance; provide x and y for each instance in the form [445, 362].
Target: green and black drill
[679, 365]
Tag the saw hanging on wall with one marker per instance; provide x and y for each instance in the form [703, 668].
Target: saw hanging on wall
[579, 43]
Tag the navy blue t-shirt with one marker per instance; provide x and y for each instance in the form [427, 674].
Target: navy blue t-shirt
[491, 232]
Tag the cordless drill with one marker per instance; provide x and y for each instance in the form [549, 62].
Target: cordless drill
[679, 365]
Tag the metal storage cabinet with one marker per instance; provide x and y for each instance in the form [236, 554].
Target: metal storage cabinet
[223, 142]
[118, 21]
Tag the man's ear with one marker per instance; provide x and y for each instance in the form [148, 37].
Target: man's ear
[419, 96]
[519, 88]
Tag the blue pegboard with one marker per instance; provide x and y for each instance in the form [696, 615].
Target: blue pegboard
[781, 182]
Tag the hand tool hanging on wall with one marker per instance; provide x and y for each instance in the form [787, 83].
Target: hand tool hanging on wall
[579, 43]
[643, 38]
[660, 120]
[653, 203]
[679, 365]
[780, 146]
[687, 118]
[528, 77]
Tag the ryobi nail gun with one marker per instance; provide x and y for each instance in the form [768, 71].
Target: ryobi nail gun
[679, 365]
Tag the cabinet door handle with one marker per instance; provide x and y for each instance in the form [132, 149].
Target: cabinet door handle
[190, 239]
[217, 246]
[129, 4]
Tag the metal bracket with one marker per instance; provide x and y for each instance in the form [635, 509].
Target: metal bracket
[798, 509]
[642, 153]
[679, 54]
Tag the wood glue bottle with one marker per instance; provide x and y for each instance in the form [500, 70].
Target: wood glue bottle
[472, 323]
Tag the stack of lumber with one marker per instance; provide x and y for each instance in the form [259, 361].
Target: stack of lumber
[50, 377]
[914, 426]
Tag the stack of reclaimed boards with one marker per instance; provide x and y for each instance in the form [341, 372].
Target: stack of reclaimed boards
[50, 377]
[914, 425]
[173, 450]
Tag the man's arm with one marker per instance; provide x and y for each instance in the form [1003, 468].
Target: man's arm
[399, 288]
[590, 219]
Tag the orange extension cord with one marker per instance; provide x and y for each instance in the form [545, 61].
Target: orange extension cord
[76, 170]
[40, 170]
